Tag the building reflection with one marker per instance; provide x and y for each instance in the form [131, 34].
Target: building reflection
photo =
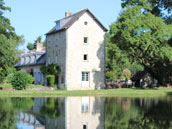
[65, 113]
[85, 113]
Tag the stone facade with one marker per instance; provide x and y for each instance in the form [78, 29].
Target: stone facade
[56, 53]
[85, 113]
[76, 44]
[79, 50]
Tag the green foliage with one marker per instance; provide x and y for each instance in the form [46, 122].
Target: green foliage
[160, 8]
[22, 104]
[51, 108]
[2, 75]
[44, 43]
[135, 68]
[52, 69]
[126, 74]
[110, 75]
[20, 80]
[39, 38]
[116, 60]
[8, 117]
[50, 80]
[30, 79]
[11, 72]
[144, 37]
[30, 46]
[120, 113]
[9, 41]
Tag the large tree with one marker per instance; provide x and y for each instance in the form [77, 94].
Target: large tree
[9, 41]
[117, 60]
[161, 8]
[145, 39]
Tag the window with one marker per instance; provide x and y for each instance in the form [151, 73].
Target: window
[85, 57]
[85, 105]
[84, 126]
[85, 39]
[85, 76]
[85, 23]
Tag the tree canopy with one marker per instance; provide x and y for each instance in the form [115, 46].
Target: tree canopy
[144, 37]
[160, 8]
[9, 41]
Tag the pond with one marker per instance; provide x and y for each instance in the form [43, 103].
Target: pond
[86, 113]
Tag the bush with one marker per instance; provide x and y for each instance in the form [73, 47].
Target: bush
[50, 80]
[19, 80]
[30, 79]
[110, 75]
[11, 72]
[2, 75]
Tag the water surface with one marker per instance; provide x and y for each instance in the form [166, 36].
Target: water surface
[86, 113]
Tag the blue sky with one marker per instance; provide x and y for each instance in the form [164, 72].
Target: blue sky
[32, 18]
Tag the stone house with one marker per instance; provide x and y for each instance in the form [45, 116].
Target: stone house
[76, 43]
[31, 61]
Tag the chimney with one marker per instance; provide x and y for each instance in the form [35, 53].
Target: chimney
[67, 14]
[39, 46]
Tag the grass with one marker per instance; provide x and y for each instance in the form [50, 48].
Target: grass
[125, 92]
[7, 85]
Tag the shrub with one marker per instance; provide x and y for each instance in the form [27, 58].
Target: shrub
[126, 74]
[11, 72]
[2, 75]
[19, 80]
[110, 76]
[30, 79]
[44, 69]
[50, 80]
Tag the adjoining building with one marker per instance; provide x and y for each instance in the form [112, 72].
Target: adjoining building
[31, 61]
[76, 43]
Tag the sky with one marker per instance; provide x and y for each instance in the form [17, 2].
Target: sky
[33, 18]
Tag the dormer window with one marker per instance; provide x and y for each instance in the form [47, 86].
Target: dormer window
[57, 25]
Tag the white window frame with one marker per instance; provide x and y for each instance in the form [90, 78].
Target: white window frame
[85, 79]
[85, 104]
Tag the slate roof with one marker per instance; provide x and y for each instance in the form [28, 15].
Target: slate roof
[29, 59]
[66, 22]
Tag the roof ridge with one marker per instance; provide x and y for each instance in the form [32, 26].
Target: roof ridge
[86, 9]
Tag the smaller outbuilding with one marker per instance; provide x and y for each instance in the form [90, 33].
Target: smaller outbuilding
[144, 79]
[31, 61]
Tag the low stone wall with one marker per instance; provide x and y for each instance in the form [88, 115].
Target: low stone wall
[36, 89]
[117, 84]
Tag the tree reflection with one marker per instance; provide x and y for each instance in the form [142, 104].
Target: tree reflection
[21, 104]
[7, 114]
[9, 108]
[123, 113]
[51, 108]
[120, 112]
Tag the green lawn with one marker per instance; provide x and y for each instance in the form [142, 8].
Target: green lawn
[125, 92]
[30, 86]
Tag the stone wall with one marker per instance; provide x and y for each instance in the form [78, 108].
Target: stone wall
[76, 48]
[56, 53]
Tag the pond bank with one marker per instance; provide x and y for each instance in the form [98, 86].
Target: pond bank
[124, 92]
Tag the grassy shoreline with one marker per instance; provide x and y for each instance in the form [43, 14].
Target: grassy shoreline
[125, 92]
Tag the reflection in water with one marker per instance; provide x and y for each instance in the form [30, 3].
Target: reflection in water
[86, 113]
